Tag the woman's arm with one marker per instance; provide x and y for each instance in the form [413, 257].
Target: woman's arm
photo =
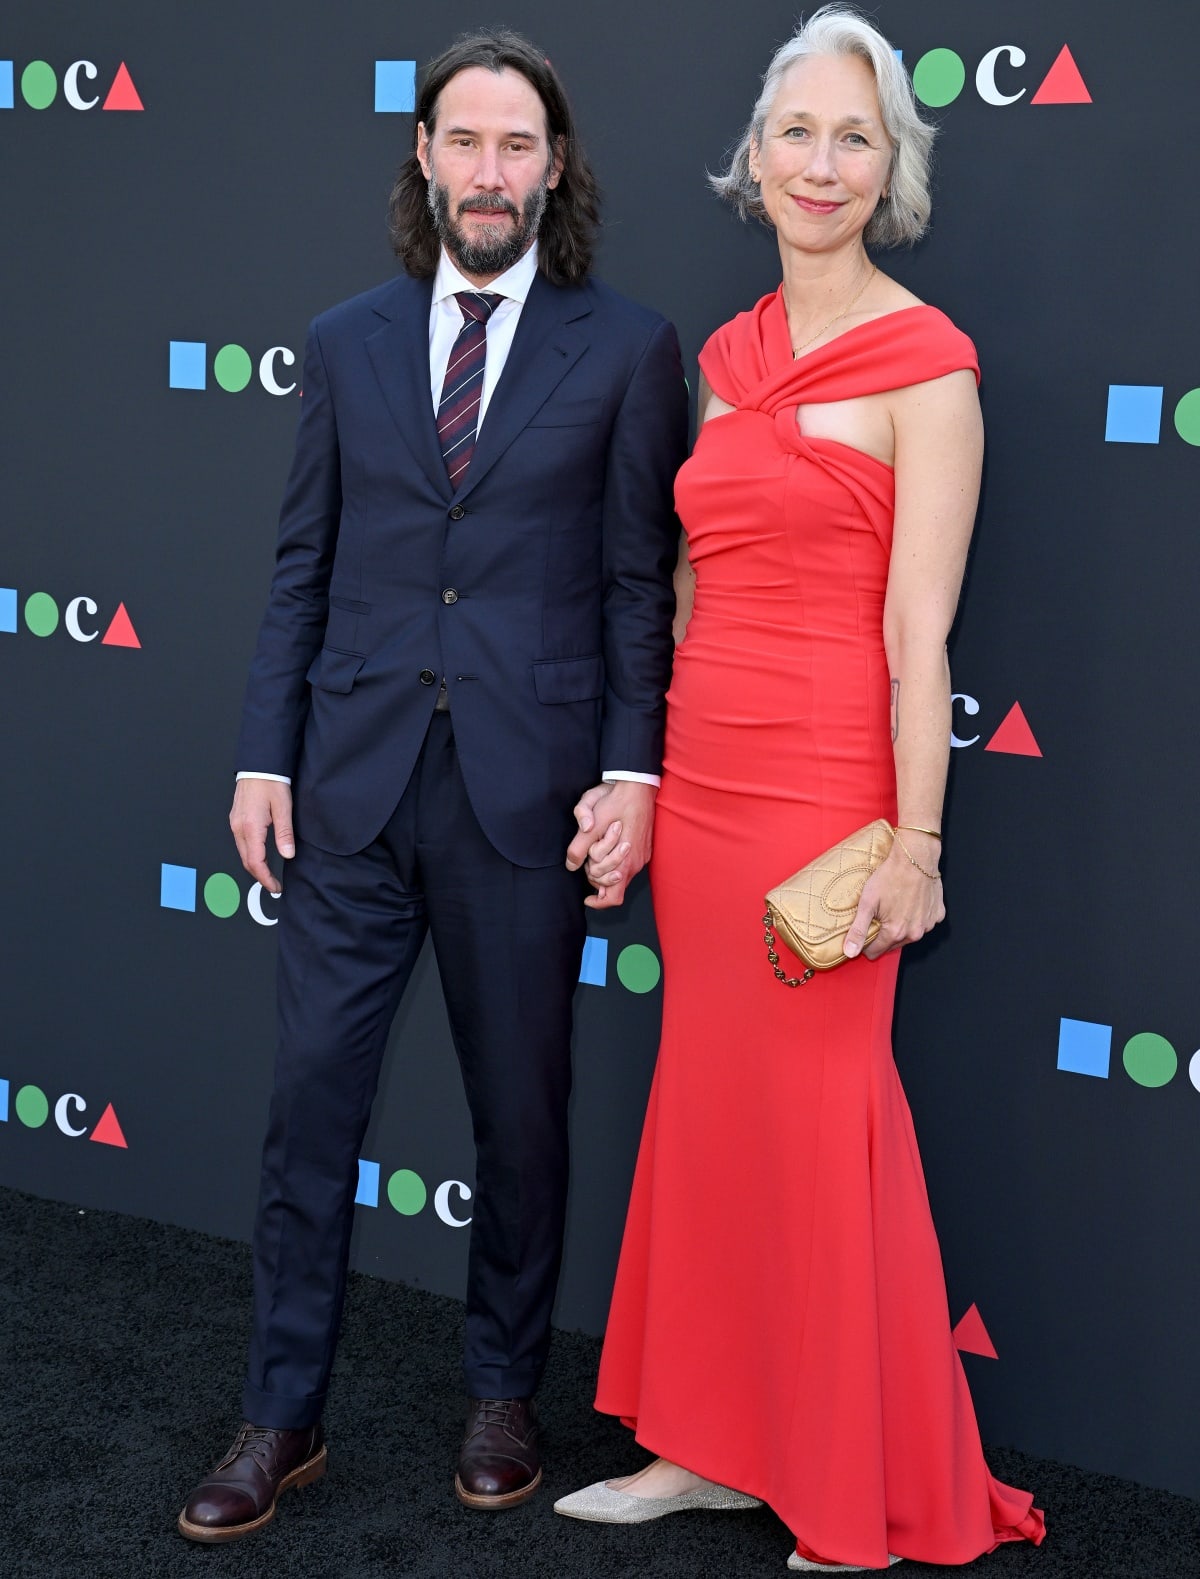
[939, 452]
[707, 405]
[685, 591]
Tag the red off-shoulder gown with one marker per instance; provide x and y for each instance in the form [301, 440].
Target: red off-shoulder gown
[779, 1322]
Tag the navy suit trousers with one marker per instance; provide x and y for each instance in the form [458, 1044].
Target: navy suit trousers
[508, 941]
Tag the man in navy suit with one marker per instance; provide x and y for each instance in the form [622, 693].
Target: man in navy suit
[461, 672]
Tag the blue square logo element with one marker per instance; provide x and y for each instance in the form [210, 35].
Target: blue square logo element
[8, 610]
[177, 889]
[6, 84]
[188, 359]
[593, 967]
[1134, 414]
[367, 1193]
[395, 87]
[1084, 1048]
[4, 1101]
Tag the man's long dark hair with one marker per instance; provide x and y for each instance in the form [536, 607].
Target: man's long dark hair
[567, 234]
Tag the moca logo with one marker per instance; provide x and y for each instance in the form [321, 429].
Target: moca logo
[31, 1107]
[638, 967]
[39, 86]
[42, 615]
[1013, 736]
[1135, 415]
[940, 76]
[408, 1194]
[1085, 1048]
[232, 367]
[221, 893]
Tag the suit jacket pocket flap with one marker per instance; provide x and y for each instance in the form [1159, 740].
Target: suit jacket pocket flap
[567, 413]
[335, 671]
[569, 679]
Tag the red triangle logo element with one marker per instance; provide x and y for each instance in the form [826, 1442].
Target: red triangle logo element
[971, 1336]
[120, 632]
[1062, 84]
[1014, 735]
[124, 96]
[108, 1131]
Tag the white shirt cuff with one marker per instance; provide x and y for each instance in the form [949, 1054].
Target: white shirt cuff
[617, 777]
[275, 778]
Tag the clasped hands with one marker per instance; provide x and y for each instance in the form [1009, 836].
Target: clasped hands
[908, 903]
[613, 843]
[616, 821]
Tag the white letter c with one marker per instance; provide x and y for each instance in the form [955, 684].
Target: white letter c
[71, 85]
[254, 901]
[71, 619]
[60, 1113]
[266, 369]
[441, 1202]
[985, 76]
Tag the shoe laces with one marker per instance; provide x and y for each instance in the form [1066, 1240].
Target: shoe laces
[253, 1440]
[493, 1411]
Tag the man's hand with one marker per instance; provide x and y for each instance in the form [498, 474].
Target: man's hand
[259, 804]
[616, 821]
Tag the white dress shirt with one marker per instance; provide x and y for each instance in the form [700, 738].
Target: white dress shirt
[445, 320]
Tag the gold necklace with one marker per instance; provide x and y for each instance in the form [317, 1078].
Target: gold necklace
[797, 350]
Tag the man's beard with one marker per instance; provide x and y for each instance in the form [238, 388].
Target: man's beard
[490, 254]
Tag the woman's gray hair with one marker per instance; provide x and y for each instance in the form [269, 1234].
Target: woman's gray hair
[901, 217]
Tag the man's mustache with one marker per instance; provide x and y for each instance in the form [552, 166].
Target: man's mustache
[488, 203]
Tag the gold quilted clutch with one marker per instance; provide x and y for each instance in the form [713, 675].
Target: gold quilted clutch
[812, 910]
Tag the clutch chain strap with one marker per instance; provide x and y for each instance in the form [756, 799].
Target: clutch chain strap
[773, 956]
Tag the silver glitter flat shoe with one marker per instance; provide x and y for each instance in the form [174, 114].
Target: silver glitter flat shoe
[601, 1504]
[802, 1565]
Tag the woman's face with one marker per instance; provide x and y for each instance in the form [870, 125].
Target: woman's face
[824, 159]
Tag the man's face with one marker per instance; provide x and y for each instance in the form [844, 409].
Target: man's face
[489, 165]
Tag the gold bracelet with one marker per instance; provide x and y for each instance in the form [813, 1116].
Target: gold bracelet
[911, 827]
[933, 876]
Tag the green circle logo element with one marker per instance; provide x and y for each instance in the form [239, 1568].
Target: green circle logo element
[32, 1107]
[41, 613]
[638, 968]
[222, 895]
[938, 78]
[1150, 1059]
[1187, 417]
[39, 85]
[232, 368]
[407, 1193]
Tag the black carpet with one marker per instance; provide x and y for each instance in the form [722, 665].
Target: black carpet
[122, 1347]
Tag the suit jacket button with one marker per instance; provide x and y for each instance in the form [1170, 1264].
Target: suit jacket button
[427, 677]
[457, 513]
[449, 596]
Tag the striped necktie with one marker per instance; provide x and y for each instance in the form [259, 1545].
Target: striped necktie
[458, 409]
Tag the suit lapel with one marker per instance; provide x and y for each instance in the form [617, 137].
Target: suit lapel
[548, 342]
[399, 353]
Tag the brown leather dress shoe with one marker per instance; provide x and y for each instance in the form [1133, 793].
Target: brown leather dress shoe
[498, 1464]
[239, 1496]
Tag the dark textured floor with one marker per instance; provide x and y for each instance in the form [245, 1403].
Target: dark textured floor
[122, 1343]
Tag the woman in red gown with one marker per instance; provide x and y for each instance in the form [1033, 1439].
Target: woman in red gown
[779, 1327]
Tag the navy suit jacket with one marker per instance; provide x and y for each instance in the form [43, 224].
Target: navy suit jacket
[540, 589]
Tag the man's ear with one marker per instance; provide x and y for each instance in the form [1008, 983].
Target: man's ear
[423, 150]
[557, 162]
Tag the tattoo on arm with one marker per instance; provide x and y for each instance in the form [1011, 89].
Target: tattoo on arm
[895, 711]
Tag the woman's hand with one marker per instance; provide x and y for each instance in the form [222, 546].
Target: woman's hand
[908, 903]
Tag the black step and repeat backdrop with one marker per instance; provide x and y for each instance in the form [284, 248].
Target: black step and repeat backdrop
[183, 188]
